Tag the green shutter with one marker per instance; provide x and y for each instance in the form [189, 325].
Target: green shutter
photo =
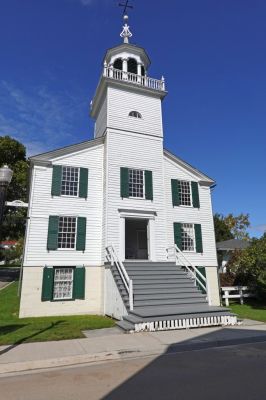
[124, 185]
[198, 236]
[195, 194]
[83, 182]
[56, 180]
[79, 283]
[203, 272]
[178, 235]
[81, 234]
[52, 238]
[148, 185]
[175, 192]
[47, 284]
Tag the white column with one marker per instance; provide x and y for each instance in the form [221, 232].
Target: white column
[139, 72]
[124, 68]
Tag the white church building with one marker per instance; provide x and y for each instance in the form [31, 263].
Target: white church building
[118, 225]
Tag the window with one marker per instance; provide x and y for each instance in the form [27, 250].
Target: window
[67, 232]
[187, 237]
[136, 183]
[184, 193]
[63, 283]
[135, 114]
[70, 181]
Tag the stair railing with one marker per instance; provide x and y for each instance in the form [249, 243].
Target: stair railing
[113, 258]
[193, 271]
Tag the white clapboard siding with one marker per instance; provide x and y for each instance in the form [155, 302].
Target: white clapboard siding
[202, 216]
[101, 120]
[42, 204]
[140, 152]
[121, 102]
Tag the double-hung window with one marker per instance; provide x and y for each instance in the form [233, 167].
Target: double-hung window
[136, 183]
[70, 181]
[184, 188]
[67, 229]
[63, 283]
[187, 237]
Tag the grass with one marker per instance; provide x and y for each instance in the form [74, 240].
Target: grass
[250, 310]
[14, 330]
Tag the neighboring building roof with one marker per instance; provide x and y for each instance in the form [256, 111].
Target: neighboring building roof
[232, 244]
[73, 148]
[8, 243]
[204, 178]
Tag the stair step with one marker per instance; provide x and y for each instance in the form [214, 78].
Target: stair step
[126, 325]
[175, 310]
[149, 263]
[173, 302]
[155, 274]
[165, 296]
[147, 290]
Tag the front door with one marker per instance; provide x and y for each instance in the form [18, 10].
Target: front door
[136, 239]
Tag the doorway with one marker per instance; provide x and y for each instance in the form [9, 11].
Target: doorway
[136, 239]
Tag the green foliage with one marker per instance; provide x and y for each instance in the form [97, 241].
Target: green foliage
[238, 225]
[13, 255]
[231, 227]
[250, 266]
[222, 231]
[14, 330]
[13, 153]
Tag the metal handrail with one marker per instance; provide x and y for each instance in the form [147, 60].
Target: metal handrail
[128, 283]
[118, 74]
[193, 271]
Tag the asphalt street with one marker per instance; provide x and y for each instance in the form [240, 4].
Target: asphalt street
[234, 372]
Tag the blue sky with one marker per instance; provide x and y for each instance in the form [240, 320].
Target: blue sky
[212, 54]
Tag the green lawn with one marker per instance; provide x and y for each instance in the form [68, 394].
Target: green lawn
[15, 331]
[250, 310]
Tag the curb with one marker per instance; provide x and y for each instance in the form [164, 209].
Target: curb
[30, 366]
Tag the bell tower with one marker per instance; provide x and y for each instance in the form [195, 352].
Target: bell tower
[126, 98]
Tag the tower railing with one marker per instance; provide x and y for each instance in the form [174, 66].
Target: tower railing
[146, 81]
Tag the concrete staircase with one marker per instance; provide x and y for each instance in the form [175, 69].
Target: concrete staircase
[165, 297]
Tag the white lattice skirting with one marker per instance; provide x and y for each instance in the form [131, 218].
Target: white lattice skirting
[186, 323]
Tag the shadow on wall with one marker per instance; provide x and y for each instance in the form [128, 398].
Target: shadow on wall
[215, 373]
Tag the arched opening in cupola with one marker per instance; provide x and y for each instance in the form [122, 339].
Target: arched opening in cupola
[132, 66]
[118, 64]
[142, 70]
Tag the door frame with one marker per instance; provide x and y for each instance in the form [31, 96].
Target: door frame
[150, 216]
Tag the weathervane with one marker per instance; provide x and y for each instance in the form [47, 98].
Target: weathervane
[126, 34]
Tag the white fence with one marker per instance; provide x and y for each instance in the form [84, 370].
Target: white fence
[235, 292]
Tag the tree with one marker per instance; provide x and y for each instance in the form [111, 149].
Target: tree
[238, 225]
[222, 231]
[231, 227]
[13, 153]
[250, 266]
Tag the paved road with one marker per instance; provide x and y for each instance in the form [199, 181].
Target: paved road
[236, 372]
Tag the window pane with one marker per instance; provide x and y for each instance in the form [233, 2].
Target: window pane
[185, 193]
[63, 283]
[70, 179]
[136, 183]
[187, 231]
[67, 232]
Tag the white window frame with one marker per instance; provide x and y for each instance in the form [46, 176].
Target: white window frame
[70, 297]
[143, 173]
[67, 248]
[70, 195]
[190, 193]
[194, 237]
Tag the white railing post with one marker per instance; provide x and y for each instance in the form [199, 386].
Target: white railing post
[105, 68]
[163, 83]
[130, 295]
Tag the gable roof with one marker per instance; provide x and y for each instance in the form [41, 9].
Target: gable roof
[205, 179]
[232, 244]
[63, 151]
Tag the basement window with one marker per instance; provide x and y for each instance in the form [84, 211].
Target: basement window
[63, 283]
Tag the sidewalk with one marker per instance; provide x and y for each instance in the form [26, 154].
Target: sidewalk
[113, 344]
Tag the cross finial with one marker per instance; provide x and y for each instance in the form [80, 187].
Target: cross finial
[125, 5]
